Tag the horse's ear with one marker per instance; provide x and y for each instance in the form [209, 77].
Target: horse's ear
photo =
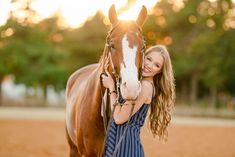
[142, 16]
[113, 15]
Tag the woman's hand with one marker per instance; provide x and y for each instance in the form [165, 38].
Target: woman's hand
[108, 80]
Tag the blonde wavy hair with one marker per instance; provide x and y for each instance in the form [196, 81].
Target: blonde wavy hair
[164, 97]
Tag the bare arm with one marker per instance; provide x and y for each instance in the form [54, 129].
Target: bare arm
[122, 112]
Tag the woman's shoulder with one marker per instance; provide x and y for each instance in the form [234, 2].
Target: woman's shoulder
[147, 84]
[147, 90]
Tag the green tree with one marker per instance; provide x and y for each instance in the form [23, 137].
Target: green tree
[31, 50]
[9, 59]
[192, 32]
[85, 44]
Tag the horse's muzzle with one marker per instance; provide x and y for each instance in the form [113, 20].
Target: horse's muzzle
[130, 90]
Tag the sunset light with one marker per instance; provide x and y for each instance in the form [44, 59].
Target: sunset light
[74, 13]
[133, 11]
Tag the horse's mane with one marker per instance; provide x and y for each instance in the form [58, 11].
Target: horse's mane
[102, 57]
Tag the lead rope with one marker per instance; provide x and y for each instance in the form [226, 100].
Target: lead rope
[121, 138]
[127, 124]
[109, 124]
[108, 127]
[102, 95]
[116, 102]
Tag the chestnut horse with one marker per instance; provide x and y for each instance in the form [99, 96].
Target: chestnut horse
[124, 51]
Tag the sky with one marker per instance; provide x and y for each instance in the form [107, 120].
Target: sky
[73, 12]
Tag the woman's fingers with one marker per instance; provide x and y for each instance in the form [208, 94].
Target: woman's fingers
[104, 80]
[104, 75]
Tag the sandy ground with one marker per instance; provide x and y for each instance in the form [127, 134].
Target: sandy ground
[41, 133]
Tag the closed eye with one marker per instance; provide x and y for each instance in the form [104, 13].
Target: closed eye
[149, 59]
[157, 65]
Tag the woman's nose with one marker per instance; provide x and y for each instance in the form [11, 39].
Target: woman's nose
[149, 65]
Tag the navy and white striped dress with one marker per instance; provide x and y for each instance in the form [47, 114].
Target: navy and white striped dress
[130, 145]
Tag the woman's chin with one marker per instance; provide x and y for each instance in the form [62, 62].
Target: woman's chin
[145, 74]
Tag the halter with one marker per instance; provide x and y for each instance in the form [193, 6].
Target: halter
[108, 56]
[117, 78]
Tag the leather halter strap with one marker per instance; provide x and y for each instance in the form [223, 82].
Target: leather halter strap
[108, 50]
[115, 74]
[117, 79]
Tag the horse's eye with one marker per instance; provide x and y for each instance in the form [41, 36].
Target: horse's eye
[112, 48]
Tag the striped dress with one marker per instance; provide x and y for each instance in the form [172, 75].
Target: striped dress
[130, 145]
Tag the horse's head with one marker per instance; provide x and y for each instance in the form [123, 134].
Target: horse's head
[125, 49]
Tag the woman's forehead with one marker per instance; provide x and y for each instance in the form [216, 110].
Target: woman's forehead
[156, 56]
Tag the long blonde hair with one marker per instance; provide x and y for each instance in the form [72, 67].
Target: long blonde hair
[163, 100]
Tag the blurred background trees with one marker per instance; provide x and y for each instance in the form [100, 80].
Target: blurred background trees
[200, 36]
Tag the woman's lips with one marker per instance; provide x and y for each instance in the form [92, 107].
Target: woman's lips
[146, 69]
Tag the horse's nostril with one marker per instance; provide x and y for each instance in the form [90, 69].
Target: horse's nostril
[124, 84]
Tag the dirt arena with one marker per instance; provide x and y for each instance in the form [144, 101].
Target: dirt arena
[46, 138]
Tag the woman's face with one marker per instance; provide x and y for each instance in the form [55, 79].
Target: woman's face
[153, 63]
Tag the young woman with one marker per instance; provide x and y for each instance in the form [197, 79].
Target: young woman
[157, 93]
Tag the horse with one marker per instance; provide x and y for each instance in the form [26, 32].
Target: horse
[123, 50]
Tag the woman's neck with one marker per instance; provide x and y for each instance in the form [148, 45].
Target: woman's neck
[148, 79]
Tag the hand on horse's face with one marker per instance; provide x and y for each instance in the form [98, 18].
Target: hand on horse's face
[107, 80]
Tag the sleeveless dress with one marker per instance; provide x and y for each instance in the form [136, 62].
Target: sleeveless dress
[130, 145]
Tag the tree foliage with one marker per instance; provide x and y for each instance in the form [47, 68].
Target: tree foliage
[199, 35]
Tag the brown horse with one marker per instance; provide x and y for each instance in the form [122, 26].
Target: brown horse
[124, 51]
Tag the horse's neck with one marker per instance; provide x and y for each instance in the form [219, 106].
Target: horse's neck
[95, 88]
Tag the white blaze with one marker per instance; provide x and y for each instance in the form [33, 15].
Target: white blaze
[129, 72]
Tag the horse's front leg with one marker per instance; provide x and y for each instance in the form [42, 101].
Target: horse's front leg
[94, 142]
[95, 149]
[73, 152]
